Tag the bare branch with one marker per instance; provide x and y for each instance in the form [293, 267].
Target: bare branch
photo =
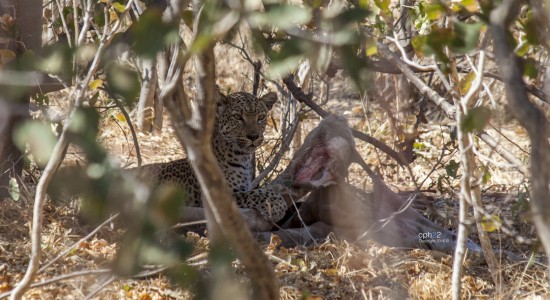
[132, 129]
[306, 99]
[275, 161]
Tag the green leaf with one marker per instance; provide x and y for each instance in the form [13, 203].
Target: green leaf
[419, 146]
[150, 34]
[420, 45]
[99, 15]
[437, 40]
[123, 81]
[13, 189]
[281, 16]
[200, 43]
[313, 3]
[465, 36]
[434, 11]
[476, 119]
[54, 59]
[530, 27]
[491, 223]
[290, 55]
[472, 6]
[40, 139]
[189, 278]
[119, 7]
[370, 47]
[355, 67]
[452, 168]
[384, 6]
[466, 82]
[523, 49]
[322, 58]
[187, 16]
[350, 16]
[83, 133]
[85, 54]
[364, 4]
[284, 66]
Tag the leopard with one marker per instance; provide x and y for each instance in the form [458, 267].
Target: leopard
[239, 126]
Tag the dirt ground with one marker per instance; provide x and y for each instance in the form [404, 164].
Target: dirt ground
[331, 270]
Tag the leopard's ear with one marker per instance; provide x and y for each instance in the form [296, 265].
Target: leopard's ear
[269, 99]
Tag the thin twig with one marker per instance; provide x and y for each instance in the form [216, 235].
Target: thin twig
[77, 243]
[256, 83]
[132, 130]
[100, 287]
[64, 24]
[63, 277]
[491, 142]
[275, 161]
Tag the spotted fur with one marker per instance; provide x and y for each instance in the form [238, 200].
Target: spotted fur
[240, 124]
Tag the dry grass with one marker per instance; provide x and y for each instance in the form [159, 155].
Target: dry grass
[332, 270]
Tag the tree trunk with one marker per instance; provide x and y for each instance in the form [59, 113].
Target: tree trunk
[13, 107]
[528, 115]
[147, 96]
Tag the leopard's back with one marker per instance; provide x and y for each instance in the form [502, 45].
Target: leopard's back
[178, 173]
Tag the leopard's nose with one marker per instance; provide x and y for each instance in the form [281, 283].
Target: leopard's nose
[252, 136]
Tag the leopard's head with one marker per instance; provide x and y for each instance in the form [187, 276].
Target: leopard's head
[241, 120]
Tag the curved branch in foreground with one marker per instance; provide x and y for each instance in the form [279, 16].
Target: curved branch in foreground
[529, 116]
[297, 92]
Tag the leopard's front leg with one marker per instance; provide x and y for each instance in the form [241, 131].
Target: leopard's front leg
[268, 201]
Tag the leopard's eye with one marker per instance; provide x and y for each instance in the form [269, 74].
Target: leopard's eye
[237, 117]
[261, 117]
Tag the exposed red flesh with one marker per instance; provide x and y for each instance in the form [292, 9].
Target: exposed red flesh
[316, 162]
